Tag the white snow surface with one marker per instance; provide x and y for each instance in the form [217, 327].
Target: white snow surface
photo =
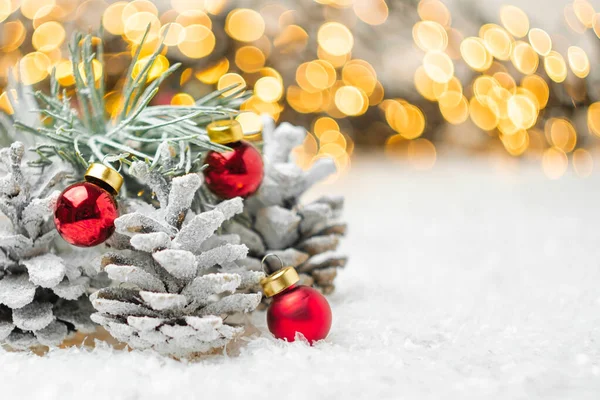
[465, 282]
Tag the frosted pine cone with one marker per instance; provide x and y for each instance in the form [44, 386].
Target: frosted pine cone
[177, 278]
[41, 290]
[304, 236]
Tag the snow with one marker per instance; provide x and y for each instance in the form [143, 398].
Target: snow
[465, 282]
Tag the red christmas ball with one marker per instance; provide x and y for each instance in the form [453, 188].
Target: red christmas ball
[299, 309]
[237, 172]
[85, 214]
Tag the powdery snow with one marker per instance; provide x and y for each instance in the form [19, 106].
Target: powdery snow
[465, 282]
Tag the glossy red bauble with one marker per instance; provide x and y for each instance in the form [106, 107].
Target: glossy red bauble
[238, 172]
[85, 214]
[299, 309]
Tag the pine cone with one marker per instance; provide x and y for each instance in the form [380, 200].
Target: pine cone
[41, 288]
[303, 236]
[177, 278]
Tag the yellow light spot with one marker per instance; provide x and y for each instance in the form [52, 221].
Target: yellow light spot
[540, 41]
[268, 89]
[312, 76]
[5, 9]
[323, 125]
[356, 74]
[482, 87]
[251, 122]
[555, 67]
[64, 73]
[194, 17]
[5, 104]
[30, 7]
[33, 68]
[259, 107]
[498, 42]
[175, 34]
[12, 35]
[158, 67]
[584, 12]
[329, 70]
[524, 58]
[350, 100]
[249, 59]
[231, 79]
[185, 76]
[138, 6]
[482, 115]
[48, 36]
[475, 54]
[336, 61]
[96, 70]
[538, 86]
[596, 24]
[335, 38]
[517, 143]
[211, 74]
[333, 136]
[421, 154]
[303, 101]
[292, 39]
[514, 20]
[199, 41]
[182, 99]
[244, 25]
[454, 107]
[377, 95]
[112, 19]
[452, 86]
[429, 35]
[506, 81]
[434, 10]
[554, 163]
[287, 17]
[562, 134]
[578, 61]
[438, 66]
[572, 20]
[522, 111]
[374, 12]
[583, 163]
[424, 84]
[136, 25]
[593, 118]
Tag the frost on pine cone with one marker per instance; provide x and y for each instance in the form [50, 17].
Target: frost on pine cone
[305, 236]
[177, 279]
[41, 293]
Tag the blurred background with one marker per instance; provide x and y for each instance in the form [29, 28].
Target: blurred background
[511, 82]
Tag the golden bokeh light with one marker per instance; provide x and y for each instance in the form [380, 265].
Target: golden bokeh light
[292, 39]
[303, 101]
[229, 79]
[249, 58]
[482, 87]
[482, 114]
[5, 103]
[424, 84]
[596, 24]
[5, 9]
[514, 20]
[158, 67]
[33, 68]
[64, 73]
[583, 163]
[555, 67]
[475, 54]
[335, 38]
[554, 163]
[182, 99]
[199, 41]
[538, 86]
[584, 12]
[498, 42]
[524, 58]
[421, 154]
[540, 41]
[112, 19]
[593, 118]
[12, 35]
[438, 66]
[374, 12]
[434, 10]
[430, 35]
[562, 134]
[268, 89]
[30, 7]
[351, 100]
[48, 36]
[244, 25]
[173, 33]
[324, 124]
[194, 17]
[578, 61]
[211, 74]
[517, 143]
[522, 111]
[251, 122]
[454, 107]
[358, 74]
[97, 69]
[135, 27]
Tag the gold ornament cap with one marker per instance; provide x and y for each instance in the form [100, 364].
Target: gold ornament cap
[280, 280]
[105, 176]
[225, 131]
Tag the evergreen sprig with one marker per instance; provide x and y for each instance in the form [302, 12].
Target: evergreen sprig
[139, 131]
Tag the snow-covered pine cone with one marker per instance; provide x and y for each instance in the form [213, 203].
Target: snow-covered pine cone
[177, 279]
[41, 289]
[305, 236]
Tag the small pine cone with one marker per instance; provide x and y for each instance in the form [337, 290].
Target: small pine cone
[303, 236]
[42, 287]
[177, 280]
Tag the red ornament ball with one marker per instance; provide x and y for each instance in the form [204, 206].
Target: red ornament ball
[85, 214]
[299, 309]
[237, 172]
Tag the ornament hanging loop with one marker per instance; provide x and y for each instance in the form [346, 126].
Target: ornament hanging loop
[262, 262]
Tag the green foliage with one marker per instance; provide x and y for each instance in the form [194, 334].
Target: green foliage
[156, 134]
